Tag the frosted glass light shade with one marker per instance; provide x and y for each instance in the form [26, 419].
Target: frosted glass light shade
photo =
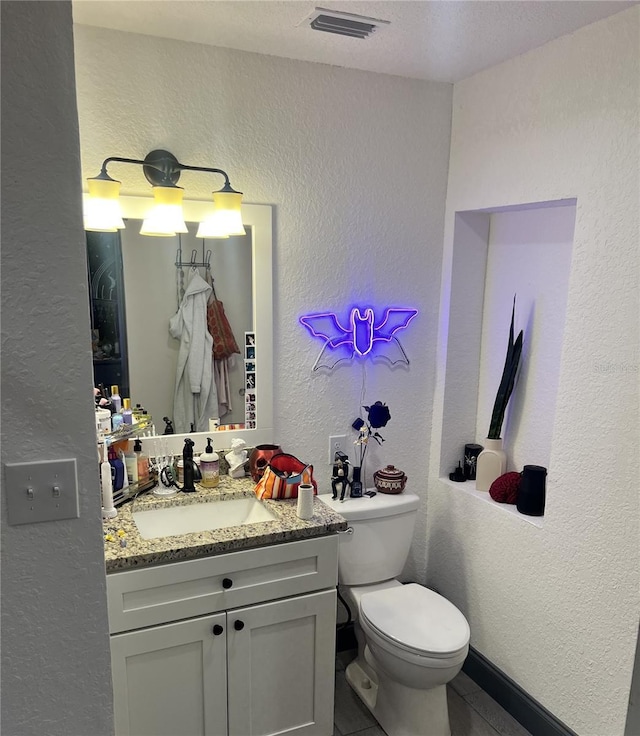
[226, 218]
[102, 212]
[166, 218]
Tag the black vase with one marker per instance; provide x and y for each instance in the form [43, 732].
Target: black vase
[471, 453]
[532, 491]
[356, 483]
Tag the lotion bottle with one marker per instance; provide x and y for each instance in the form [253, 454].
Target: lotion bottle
[127, 414]
[142, 462]
[118, 474]
[131, 462]
[209, 466]
[115, 399]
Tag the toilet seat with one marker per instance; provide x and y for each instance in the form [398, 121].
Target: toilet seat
[414, 621]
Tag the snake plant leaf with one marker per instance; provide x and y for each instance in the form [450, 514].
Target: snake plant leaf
[512, 360]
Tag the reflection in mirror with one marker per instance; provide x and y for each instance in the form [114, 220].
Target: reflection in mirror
[108, 325]
[141, 353]
[154, 289]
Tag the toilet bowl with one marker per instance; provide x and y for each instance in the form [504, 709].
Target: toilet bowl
[411, 640]
[417, 636]
[411, 643]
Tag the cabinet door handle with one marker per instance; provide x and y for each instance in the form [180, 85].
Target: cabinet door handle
[227, 583]
[217, 630]
[238, 625]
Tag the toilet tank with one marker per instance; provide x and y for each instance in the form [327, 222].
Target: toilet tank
[382, 534]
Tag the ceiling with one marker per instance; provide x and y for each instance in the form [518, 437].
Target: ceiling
[442, 40]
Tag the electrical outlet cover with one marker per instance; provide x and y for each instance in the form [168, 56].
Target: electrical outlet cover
[337, 443]
[46, 490]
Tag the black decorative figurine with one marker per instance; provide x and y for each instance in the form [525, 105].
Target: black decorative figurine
[471, 453]
[340, 475]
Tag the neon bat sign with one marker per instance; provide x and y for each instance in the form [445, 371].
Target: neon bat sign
[364, 334]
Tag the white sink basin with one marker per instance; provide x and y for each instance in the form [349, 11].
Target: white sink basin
[200, 517]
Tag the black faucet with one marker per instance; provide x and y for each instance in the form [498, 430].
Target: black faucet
[187, 464]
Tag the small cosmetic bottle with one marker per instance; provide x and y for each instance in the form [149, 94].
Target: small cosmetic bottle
[127, 414]
[115, 398]
[116, 420]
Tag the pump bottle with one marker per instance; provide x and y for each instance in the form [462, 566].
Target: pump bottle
[142, 462]
[209, 466]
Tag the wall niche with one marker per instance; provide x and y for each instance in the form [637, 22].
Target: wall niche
[523, 250]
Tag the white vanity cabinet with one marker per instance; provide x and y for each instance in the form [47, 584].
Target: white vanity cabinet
[241, 644]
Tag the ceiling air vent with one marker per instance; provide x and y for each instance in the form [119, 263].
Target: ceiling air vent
[344, 24]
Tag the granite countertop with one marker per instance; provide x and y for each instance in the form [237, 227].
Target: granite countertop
[139, 552]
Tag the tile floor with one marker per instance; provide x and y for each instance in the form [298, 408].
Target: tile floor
[471, 711]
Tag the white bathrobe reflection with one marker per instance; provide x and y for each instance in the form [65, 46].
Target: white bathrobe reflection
[195, 398]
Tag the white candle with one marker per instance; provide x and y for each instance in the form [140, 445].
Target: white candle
[305, 501]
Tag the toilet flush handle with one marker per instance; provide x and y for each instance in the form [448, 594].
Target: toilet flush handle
[348, 530]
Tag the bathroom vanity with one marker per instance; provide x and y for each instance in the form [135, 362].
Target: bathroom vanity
[225, 631]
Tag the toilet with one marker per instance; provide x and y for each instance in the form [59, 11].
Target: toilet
[411, 640]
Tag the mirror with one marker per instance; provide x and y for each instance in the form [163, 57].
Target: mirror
[141, 347]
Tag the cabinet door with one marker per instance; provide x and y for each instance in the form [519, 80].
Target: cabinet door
[171, 679]
[281, 666]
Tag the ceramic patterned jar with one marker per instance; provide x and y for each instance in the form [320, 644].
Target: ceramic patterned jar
[389, 480]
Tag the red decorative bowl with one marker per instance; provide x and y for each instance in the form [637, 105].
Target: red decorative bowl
[389, 480]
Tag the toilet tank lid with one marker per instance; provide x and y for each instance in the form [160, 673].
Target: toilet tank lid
[372, 507]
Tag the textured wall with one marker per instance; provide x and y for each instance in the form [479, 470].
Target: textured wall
[55, 648]
[529, 255]
[355, 164]
[557, 608]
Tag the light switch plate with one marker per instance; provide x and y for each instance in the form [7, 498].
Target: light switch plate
[46, 490]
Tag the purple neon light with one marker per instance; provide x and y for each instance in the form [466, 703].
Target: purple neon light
[362, 331]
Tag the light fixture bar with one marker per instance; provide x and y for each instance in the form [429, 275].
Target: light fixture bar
[162, 170]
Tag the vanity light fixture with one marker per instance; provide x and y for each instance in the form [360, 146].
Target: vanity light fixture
[162, 169]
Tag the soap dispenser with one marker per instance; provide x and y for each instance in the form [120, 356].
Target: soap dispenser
[209, 466]
[142, 462]
[187, 460]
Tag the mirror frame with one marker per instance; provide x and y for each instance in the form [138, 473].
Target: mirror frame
[260, 218]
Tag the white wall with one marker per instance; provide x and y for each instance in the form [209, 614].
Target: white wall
[528, 255]
[355, 164]
[55, 648]
[557, 607]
